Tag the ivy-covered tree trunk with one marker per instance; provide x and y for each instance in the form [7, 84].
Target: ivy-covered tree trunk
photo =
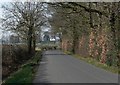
[91, 37]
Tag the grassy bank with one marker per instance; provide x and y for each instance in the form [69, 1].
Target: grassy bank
[26, 73]
[96, 63]
[13, 56]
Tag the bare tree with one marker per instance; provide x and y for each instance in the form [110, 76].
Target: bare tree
[24, 19]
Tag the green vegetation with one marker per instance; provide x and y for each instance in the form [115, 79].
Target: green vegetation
[85, 29]
[96, 63]
[26, 73]
[48, 46]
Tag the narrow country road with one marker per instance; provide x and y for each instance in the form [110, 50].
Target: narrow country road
[56, 67]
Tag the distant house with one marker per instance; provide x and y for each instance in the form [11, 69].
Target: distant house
[14, 39]
[51, 37]
[46, 38]
[38, 38]
[4, 40]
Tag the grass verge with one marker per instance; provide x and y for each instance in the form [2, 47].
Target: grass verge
[26, 73]
[96, 63]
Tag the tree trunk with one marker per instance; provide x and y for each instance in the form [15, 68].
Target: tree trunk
[112, 24]
[91, 42]
[91, 18]
[118, 37]
[75, 44]
[34, 42]
[75, 38]
[30, 40]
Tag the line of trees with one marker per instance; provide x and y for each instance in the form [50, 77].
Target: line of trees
[89, 29]
[85, 28]
[24, 19]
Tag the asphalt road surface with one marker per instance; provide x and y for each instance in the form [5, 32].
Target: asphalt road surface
[56, 67]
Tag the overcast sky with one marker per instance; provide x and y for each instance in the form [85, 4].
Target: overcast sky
[0, 17]
[5, 1]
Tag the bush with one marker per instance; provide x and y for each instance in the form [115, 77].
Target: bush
[26, 73]
[112, 59]
[12, 58]
[49, 47]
